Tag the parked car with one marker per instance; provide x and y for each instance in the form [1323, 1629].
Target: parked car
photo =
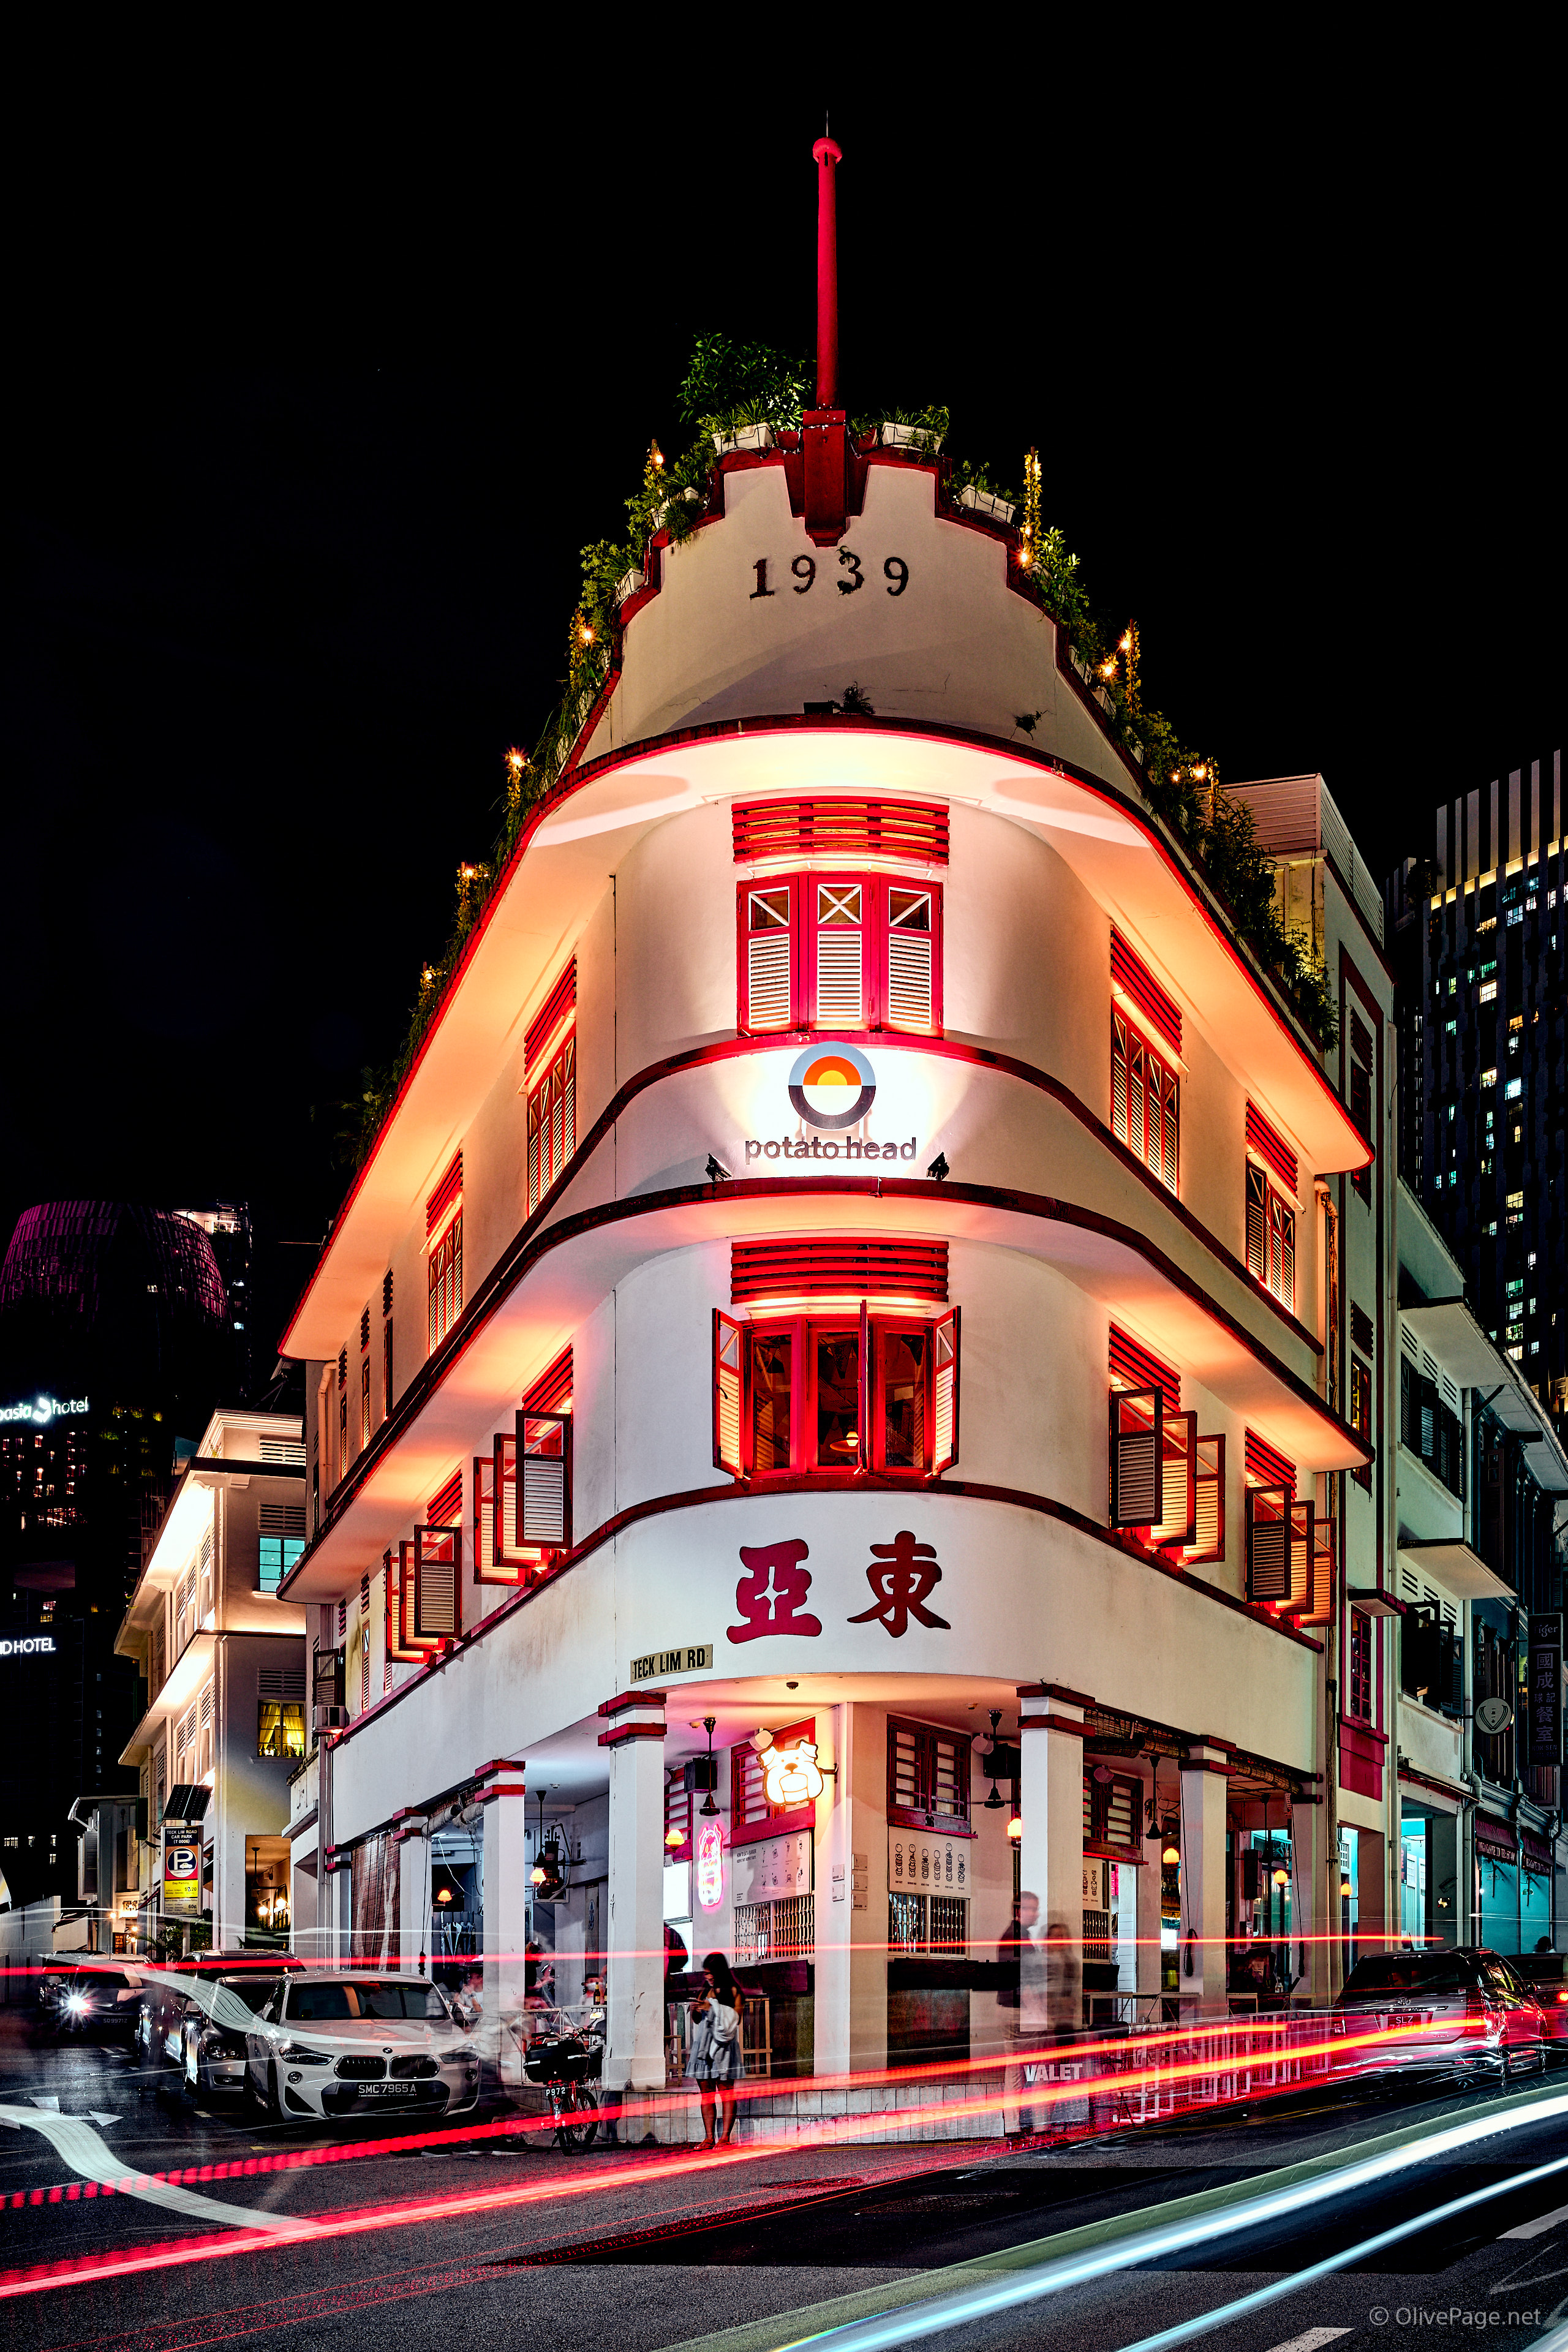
[171, 1997]
[358, 2043]
[1546, 1974]
[102, 1998]
[1461, 2012]
[214, 2026]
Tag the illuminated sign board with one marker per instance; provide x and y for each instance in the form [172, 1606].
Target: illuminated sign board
[181, 1870]
[831, 1090]
[44, 1409]
[710, 1866]
[34, 1646]
[792, 1775]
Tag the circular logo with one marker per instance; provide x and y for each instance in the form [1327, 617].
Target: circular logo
[1493, 1715]
[832, 1085]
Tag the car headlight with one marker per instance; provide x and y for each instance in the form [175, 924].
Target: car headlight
[77, 2002]
[299, 2055]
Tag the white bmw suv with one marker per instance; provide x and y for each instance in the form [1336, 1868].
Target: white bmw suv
[354, 2044]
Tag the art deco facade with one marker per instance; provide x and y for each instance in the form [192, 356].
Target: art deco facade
[861, 1247]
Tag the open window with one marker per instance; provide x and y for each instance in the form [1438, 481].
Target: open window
[486, 1570]
[1280, 1549]
[849, 1392]
[531, 1488]
[1145, 1098]
[1137, 1456]
[410, 1642]
[437, 1580]
[1208, 1506]
[1177, 1525]
[841, 951]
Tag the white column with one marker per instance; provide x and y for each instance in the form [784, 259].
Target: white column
[1050, 1797]
[504, 1797]
[413, 1894]
[1203, 1792]
[850, 2011]
[634, 1929]
[1150, 1908]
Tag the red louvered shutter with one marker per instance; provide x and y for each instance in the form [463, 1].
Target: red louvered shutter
[438, 1583]
[1268, 1543]
[768, 914]
[544, 1481]
[945, 1399]
[1133, 1366]
[1178, 1524]
[551, 1391]
[1137, 1454]
[728, 1339]
[1130, 973]
[1208, 1509]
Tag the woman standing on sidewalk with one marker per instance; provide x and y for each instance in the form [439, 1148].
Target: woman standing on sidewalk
[715, 2060]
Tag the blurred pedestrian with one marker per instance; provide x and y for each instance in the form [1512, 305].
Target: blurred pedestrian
[714, 2061]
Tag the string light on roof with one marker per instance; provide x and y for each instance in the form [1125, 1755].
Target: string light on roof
[1030, 537]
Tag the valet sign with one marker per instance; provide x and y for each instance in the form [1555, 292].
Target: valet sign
[832, 1089]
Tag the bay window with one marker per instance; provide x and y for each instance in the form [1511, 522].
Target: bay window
[853, 951]
[845, 1392]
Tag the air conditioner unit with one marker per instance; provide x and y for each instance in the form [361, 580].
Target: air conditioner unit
[332, 1718]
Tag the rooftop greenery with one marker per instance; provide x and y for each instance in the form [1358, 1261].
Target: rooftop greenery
[729, 387]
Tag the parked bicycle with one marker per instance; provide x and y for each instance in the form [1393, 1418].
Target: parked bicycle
[567, 2064]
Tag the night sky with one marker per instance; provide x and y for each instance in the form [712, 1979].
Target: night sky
[311, 426]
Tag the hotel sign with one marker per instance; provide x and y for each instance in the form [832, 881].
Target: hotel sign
[44, 1409]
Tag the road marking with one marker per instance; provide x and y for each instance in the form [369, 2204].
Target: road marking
[1095, 2247]
[1311, 2339]
[39, 2101]
[75, 2141]
[1540, 2226]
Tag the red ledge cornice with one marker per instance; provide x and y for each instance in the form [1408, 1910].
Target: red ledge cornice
[531, 1245]
[697, 1498]
[573, 776]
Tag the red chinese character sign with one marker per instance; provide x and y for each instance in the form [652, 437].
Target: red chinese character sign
[902, 1575]
[770, 1593]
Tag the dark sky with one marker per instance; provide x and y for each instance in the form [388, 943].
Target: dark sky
[313, 412]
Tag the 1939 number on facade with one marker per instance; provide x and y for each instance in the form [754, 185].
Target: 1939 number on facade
[895, 573]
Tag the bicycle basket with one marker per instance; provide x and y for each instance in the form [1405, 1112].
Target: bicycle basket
[561, 2058]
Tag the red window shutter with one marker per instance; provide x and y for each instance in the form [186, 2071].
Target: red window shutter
[1208, 1509]
[1120, 1049]
[769, 918]
[438, 1583]
[1264, 1138]
[856, 1266]
[445, 1198]
[446, 1506]
[544, 1479]
[411, 1639]
[1268, 1543]
[510, 1552]
[551, 1391]
[398, 1650]
[1265, 1466]
[840, 829]
[910, 965]
[556, 1007]
[552, 1120]
[679, 1804]
[1137, 1456]
[1132, 976]
[486, 1570]
[1133, 1366]
[728, 1340]
[1178, 1524]
[840, 931]
[945, 1399]
[1303, 1558]
[1257, 1225]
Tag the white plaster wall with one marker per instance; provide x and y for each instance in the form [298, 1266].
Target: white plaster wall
[1027, 1597]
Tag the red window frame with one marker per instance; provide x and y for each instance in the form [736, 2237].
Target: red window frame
[446, 1279]
[438, 1584]
[752, 1818]
[1359, 1676]
[922, 1744]
[526, 1535]
[736, 1348]
[1208, 1505]
[1270, 1237]
[552, 1118]
[895, 992]
[1145, 1099]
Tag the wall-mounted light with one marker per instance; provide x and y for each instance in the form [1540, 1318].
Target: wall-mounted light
[1015, 1828]
[1170, 1856]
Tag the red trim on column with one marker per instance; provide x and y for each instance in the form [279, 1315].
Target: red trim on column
[1051, 1723]
[626, 1731]
[1055, 1690]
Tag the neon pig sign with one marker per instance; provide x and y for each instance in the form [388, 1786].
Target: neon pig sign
[710, 1866]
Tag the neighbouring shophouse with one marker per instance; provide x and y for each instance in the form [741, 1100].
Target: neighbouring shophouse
[221, 1652]
[1482, 1501]
[863, 1328]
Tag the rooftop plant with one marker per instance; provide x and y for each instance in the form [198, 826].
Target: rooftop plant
[729, 386]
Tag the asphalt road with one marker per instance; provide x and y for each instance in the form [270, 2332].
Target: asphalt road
[374, 2238]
